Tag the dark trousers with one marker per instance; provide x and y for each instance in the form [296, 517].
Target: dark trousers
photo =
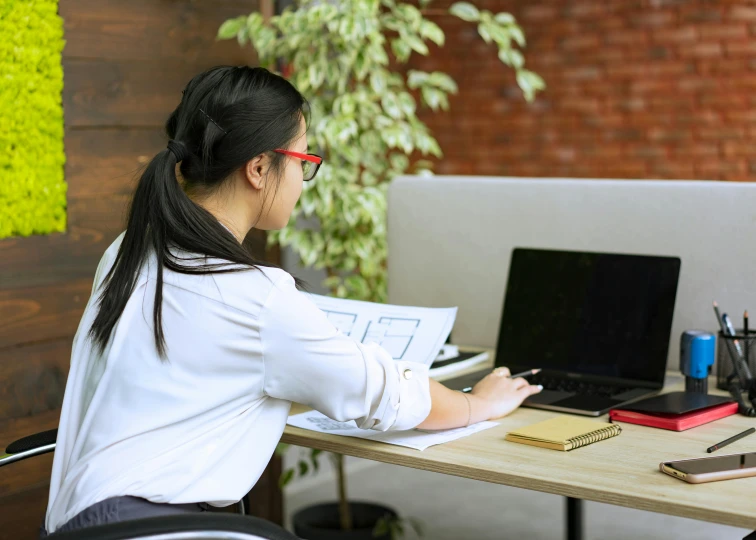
[118, 509]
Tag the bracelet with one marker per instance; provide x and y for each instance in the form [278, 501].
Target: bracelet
[469, 409]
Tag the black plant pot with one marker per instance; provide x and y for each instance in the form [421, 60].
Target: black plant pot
[321, 522]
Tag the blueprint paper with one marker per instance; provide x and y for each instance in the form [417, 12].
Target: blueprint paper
[415, 334]
[413, 438]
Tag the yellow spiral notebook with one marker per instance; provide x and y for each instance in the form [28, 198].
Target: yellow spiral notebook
[564, 433]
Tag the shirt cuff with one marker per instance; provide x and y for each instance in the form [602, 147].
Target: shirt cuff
[406, 400]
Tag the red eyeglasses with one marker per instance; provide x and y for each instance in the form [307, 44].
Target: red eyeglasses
[310, 162]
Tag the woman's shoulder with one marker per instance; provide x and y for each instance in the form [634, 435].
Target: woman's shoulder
[246, 290]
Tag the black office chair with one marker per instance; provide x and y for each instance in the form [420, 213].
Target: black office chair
[204, 526]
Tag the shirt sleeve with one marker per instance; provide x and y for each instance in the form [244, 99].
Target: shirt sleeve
[309, 361]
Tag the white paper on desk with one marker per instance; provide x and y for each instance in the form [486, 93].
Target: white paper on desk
[409, 333]
[413, 438]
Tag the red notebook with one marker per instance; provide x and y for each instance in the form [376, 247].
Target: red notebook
[675, 422]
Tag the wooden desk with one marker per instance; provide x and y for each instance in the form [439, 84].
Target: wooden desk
[623, 470]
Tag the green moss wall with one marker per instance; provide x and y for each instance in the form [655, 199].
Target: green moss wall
[32, 186]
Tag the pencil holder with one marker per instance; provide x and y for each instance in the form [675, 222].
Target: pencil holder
[735, 355]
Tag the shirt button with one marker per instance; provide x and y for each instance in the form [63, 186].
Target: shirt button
[407, 374]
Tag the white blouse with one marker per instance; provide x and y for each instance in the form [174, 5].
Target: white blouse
[202, 425]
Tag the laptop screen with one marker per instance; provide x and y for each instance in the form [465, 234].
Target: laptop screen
[598, 314]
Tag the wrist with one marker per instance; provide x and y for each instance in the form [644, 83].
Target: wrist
[481, 408]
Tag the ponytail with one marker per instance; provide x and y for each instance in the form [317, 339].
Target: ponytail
[161, 215]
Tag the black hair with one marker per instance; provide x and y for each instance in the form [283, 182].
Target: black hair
[227, 116]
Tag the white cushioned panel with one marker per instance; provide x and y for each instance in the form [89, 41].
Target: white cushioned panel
[451, 238]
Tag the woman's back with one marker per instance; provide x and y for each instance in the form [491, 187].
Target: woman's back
[202, 411]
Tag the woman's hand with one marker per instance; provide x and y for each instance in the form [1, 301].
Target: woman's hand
[502, 395]
[494, 396]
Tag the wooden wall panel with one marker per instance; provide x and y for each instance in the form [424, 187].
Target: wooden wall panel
[23, 513]
[105, 92]
[32, 381]
[42, 314]
[163, 30]
[43, 260]
[108, 161]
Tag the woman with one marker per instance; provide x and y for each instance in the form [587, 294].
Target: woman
[190, 352]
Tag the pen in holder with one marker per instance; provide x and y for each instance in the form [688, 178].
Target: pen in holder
[736, 360]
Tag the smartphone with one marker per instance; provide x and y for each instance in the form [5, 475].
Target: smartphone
[711, 469]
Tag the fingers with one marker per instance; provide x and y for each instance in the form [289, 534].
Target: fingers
[502, 372]
[530, 389]
[519, 382]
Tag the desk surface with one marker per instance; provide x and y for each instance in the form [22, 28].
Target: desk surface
[622, 470]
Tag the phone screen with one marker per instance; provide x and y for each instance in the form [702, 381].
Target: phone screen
[716, 464]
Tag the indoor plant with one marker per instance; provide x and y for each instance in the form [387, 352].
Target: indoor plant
[347, 58]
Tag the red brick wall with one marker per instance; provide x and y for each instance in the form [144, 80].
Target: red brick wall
[636, 89]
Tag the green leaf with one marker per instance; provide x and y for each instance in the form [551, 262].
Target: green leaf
[484, 33]
[465, 11]
[443, 81]
[512, 57]
[242, 37]
[434, 98]
[254, 22]
[407, 103]
[517, 35]
[409, 13]
[433, 32]
[416, 78]
[381, 526]
[281, 448]
[314, 453]
[401, 49]
[316, 74]
[500, 35]
[504, 18]
[286, 477]
[390, 104]
[303, 468]
[530, 83]
[400, 162]
[378, 54]
[230, 28]
[417, 44]
[378, 81]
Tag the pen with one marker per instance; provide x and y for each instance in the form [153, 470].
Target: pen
[521, 374]
[730, 440]
[719, 317]
[745, 323]
[746, 340]
[731, 332]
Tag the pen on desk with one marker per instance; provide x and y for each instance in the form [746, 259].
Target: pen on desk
[730, 440]
[514, 376]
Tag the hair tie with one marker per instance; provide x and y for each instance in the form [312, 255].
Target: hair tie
[179, 150]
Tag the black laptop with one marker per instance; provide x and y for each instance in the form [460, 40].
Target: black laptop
[597, 324]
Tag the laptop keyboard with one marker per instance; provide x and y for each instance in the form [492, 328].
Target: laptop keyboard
[577, 387]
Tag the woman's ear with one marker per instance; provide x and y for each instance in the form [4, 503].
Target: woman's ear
[254, 171]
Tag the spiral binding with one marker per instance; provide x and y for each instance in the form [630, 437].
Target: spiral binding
[595, 436]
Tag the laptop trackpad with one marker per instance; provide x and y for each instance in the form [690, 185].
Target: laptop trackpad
[547, 397]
